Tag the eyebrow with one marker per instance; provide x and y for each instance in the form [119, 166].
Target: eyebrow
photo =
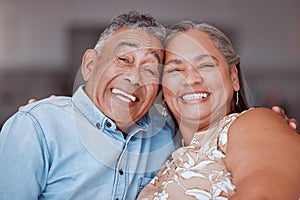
[204, 56]
[153, 52]
[197, 58]
[127, 44]
[174, 61]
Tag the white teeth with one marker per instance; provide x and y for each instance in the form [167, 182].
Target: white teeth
[195, 96]
[124, 96]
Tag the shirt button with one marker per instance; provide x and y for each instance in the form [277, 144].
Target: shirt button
[121, 171]
[97, 125]
[108, 124]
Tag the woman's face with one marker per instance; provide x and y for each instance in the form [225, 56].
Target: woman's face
[197, 82]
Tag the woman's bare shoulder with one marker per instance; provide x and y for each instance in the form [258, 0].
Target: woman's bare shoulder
[258, 141]
[259, 120]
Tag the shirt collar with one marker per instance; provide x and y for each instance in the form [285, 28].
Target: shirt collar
[89, 110]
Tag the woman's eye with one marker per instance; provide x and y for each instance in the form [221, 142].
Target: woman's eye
[173, 70]
[207, 65]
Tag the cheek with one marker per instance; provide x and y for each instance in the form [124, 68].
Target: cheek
[151, 91]
[150, 82]
[172, 102]
[110, 74]
[215, 81]
[101, 80]
[170, 84]
[169, 96]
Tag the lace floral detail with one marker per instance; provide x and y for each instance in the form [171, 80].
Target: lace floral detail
[196, 171]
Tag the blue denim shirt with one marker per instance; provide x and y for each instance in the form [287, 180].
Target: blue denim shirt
[65, 148]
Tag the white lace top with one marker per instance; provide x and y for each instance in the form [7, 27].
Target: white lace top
[197, 171]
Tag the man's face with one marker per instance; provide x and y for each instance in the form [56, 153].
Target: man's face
[123, 81]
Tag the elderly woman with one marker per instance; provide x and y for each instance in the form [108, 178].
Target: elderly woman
[230, 151]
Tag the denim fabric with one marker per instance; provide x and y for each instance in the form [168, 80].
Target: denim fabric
[65, 148]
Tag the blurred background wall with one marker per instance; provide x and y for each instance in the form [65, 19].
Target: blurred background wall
[41, 43]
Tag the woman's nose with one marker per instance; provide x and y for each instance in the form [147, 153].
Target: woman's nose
[192, 76]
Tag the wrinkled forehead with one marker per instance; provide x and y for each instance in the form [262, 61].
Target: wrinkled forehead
[135, 38]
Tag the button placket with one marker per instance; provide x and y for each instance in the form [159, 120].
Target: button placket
[108, 124]
[98, 125]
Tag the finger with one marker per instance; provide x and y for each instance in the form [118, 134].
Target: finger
[281, 112]
[278, 110]
[293, 123]
[31, 100]
[52, 96]
[20, 108]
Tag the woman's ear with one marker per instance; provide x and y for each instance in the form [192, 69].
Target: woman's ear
[235, 77]
[88, 64]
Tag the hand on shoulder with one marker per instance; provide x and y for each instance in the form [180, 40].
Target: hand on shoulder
[31, 101]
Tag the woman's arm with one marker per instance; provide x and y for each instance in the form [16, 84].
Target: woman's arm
[263, 155]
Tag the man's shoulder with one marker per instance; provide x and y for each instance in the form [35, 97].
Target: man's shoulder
[42, 113]
[50, 103]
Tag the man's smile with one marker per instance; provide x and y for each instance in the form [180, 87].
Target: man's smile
[124, 96]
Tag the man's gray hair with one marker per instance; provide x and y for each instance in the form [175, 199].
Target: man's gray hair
[133, 20]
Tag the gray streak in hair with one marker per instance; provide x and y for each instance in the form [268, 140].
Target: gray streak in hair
[133, 20]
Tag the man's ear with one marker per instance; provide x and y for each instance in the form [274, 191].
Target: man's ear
[89, 61]
[234, 77]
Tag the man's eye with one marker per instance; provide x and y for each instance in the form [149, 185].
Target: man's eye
[124, 60]
[150, 70]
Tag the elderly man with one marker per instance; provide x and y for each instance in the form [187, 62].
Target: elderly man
[101, 143]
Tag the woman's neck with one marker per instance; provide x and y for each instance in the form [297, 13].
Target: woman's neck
[189, 128]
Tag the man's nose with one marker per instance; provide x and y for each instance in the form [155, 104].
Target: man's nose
[134, 76]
